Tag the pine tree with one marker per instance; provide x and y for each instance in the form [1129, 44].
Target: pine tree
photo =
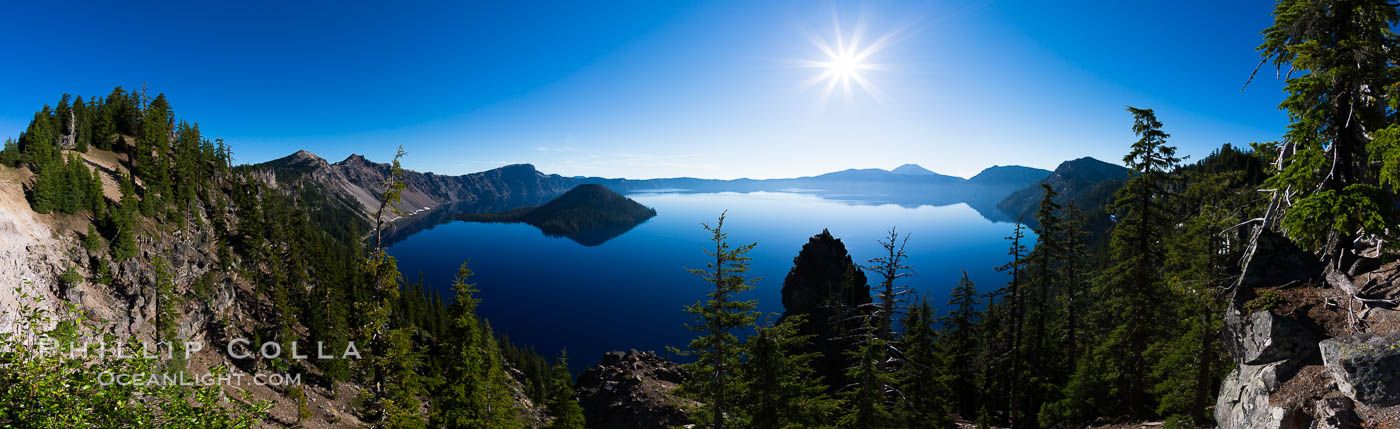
[783, 391]
[471, 396]
[1342, 156]
[96, 199]
[891, 267]
[867, 398]
[80, 126]
[10, 155]
[717, 349]
[382, 275]
[1075, 271]
[124, 234]
[958, 345]
[924, 377]
[1200, 264]
[92, 241]
[562, 405]
[1115, 377]
[1015, 307]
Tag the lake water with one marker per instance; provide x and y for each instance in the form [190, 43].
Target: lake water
[553, 293]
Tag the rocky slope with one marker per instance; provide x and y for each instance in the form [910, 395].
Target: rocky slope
[217, 304]
[1313, 346]
[633, 390]
[360, 180]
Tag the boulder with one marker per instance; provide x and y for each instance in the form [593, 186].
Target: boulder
[1263, 337]
[1244, 398]
[633, 390]
[1365, 366]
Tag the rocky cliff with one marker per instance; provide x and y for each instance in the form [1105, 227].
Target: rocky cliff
[824, 287]
[1312, 345]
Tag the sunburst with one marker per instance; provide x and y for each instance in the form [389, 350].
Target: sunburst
[847, 61]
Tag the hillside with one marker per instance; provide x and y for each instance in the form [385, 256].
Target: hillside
[1012, 175]
[1085, 183]
[589, 214]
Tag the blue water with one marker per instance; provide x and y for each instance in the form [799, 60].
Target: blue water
[553, 293]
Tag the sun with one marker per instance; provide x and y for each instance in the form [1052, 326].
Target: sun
[845, 62]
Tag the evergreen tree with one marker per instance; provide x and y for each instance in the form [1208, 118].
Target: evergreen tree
[1115, 378]
[124, 233]
[81, 126]
[867, 398]
[562, 405]
[717, 350]
[472, 395]
[783, 391]
[10, 156]
[1200, 264]
[1342, 165]
[92, 241]
[958, 345]
[924, 377]
[1015, 307]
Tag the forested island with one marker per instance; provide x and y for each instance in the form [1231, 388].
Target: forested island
[588, 213]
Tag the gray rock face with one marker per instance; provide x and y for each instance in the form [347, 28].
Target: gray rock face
[1244, 398]
[632, 390]
[1365, 366]
[1262, 337]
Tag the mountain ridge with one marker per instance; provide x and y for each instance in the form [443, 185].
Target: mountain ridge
[1085, 183]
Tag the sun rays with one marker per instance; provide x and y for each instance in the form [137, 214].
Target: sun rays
[846, 62]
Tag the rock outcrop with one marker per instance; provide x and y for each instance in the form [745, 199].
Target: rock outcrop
[633, 390]
[1366, 367]
[824, 286]
[1303, 357]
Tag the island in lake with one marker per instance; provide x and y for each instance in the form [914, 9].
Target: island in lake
[589, 214]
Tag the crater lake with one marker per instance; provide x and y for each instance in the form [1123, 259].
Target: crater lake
[553, 293]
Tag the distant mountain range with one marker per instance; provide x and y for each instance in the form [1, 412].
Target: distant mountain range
[999, 193]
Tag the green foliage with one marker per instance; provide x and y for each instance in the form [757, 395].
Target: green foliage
[1338, 168]
[561, 403]
[92, 241]
[1267, 300]
[1114, 377]
[866, 400]
[781, 389]
[10, 156]
[958, 345]
[70, 277]
[40, 385]
[925, 377]
[474, 395]
[717, 351]
[103, 273]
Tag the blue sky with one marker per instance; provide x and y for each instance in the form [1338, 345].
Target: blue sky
[660, 89]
